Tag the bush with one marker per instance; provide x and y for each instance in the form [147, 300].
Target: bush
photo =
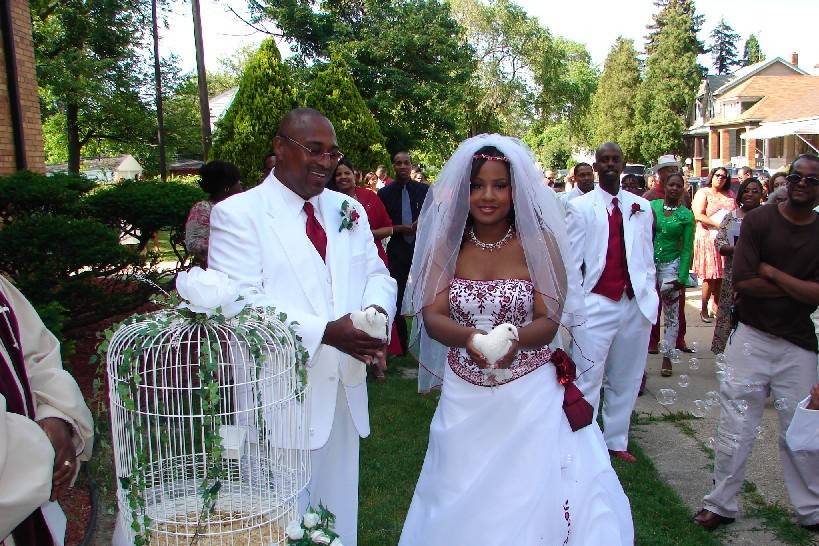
[25, 193]
[245, 134]
[141, 208]
[333, 93]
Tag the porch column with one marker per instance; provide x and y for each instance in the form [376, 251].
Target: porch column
[725, 146]
[750, 149]
[697, 166]
[713, 148]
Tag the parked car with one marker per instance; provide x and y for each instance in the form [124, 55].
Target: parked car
[635, 168]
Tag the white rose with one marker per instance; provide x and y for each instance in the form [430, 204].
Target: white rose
[310, 520]
[318, 537]
[336, 542]
[206, 290]
[294, 530]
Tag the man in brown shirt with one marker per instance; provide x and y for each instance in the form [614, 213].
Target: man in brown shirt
[773, 349]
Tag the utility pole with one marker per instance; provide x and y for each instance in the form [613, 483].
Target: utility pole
[160, 118]
[202, 78]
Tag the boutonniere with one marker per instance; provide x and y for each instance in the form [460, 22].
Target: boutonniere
[635, 208]
[349, 216]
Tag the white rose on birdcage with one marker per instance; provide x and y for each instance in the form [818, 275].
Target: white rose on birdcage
[294, 530]
[210, 292]
[310, 520]
[320, 537]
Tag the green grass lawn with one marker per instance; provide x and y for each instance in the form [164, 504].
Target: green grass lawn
[391, 461]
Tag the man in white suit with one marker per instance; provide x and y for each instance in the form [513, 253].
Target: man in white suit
[284, 238]
[610, 231]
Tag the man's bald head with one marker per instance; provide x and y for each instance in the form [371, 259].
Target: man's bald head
[608, 163]
[607, 146]
[306, 151]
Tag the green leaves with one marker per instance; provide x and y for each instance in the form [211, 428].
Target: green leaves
[724, 48]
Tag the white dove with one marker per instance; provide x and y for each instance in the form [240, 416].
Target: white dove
[496, 344]
[371, 321]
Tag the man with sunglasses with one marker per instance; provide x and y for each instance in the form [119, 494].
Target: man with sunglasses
[774, 347]
[299, 247]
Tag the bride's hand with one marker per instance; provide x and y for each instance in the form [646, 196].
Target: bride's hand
[509, 357]
[476, 356]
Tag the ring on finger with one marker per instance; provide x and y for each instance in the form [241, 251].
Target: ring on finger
[66, 463]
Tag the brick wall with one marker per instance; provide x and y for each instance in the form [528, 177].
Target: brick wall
[27, 88]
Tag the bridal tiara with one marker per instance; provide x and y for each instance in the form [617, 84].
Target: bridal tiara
[490, 157]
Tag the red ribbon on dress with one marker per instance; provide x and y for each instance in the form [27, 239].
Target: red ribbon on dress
[578, 411]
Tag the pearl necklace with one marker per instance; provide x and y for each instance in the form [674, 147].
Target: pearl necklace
[491, 247]
[670, 208]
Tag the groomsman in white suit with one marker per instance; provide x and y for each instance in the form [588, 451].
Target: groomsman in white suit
[285, 238]
[610, 231]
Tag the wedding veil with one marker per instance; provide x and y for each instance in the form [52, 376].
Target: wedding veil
[541, 229]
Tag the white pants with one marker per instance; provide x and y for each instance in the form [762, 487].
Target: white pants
[610, 351]
[334, 473]
[763, 365]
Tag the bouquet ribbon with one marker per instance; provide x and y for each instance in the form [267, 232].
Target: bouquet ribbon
[578, 411]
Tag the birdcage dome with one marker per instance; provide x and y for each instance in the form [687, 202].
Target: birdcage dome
[209, 426]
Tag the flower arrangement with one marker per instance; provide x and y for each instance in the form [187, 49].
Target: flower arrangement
[349, 216]
[635, 208]
[314, 527]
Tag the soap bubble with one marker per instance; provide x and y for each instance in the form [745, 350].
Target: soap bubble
[694, 346]
[683, 382]
[700, 409]
[712, 398]
[694, 363]
[662, 346]
[720, 366]
[758, 432]
[720, 358]
[781, 404]
[741, 406]
[710, 443]
[666, 397]
[747, 349]
[721, 376]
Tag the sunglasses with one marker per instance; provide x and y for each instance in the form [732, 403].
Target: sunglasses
[795, 178]
[720, 176]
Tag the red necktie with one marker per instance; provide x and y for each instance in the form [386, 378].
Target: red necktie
[315, 232]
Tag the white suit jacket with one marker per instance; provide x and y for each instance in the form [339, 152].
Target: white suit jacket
[588, 227]
[258, 239]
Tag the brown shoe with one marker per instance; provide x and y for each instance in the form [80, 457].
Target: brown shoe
[709, 520]
[624, 455]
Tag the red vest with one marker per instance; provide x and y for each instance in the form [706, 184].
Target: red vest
[615, 279]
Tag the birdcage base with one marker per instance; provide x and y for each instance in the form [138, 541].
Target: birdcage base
[220, 529]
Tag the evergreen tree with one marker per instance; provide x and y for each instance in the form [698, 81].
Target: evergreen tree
[724, 48]
[613, 104]
[670, 86]
[753, 52]
[659, 20]
[245, 133]
[333, 93]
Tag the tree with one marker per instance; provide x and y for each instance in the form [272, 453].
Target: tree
[407, 58]
[724, 48]
[333, 92]
[76, 42]
[659, 20]
[244, 135]
[550, 144]
[614, 102]
[672, 77]
[752, 53]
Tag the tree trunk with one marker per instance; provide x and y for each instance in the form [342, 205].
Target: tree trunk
[160, 119]
[72, 127]
[204, 107]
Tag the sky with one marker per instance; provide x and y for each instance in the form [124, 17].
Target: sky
[782, 26]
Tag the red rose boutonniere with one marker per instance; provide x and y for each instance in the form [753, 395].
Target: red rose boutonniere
[349, 216]
[635, 208]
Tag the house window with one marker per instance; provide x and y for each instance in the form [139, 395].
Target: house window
[743, 144]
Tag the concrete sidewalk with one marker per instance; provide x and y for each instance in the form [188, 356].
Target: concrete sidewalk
[680, 449]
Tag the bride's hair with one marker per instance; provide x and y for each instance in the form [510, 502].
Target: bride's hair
[488, 153]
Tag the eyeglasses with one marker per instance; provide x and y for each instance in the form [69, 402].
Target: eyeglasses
[720, 176]
[795, 178]
[335, 155]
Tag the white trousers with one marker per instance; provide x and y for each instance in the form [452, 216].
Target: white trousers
[610, 351]
[334, 473]
[763, 365]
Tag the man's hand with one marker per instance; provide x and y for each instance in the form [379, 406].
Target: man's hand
[345, 337]
[401, 229]
[767, 272]
[813, 403]
[65, 459]
[509, 357]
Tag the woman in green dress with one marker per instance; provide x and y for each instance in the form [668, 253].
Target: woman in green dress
[673, 254]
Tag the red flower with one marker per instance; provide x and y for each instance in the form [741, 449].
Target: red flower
[566, 370]
[635, 208]
[354, 216]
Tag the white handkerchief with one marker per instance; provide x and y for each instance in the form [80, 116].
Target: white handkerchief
[803, 432]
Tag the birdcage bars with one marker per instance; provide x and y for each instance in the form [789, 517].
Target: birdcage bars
[209, 427]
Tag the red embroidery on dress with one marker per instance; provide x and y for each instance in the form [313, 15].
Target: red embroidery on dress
[502, 300]
[567, 515]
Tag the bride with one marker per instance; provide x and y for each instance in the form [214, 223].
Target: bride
[503, 465]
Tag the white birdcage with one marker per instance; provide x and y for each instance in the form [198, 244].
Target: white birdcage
[210, 428]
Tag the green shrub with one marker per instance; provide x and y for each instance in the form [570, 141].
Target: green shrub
[140, 208]
[25, 193]
[333, 93]
[245, 134]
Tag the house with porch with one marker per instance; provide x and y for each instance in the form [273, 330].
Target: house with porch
[761, 116]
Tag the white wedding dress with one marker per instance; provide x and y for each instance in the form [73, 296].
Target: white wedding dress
[503, 466]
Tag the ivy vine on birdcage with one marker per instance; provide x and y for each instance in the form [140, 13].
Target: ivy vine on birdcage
[235, 313]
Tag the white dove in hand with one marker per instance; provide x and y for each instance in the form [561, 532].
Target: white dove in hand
[371, 321]
[497, 343]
